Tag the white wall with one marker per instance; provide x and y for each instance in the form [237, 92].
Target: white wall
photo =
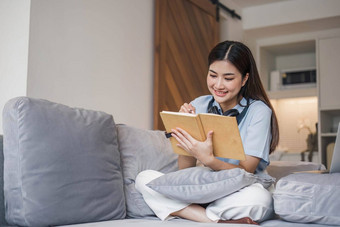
[85, 53]
[14, 26]
[287, 12]
[296, 61]
[95, 55]
[230, 28]
[292, 114]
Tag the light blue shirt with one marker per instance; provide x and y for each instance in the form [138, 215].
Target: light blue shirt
[255, 128]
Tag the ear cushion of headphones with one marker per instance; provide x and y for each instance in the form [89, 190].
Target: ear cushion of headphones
[231, 113]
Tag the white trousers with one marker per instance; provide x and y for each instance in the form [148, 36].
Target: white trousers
[253, 201]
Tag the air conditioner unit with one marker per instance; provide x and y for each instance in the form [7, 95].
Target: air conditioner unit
[292, 79]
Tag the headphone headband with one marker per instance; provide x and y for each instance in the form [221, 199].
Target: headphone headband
[231, 113]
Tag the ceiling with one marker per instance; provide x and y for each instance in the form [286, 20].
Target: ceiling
[249, 3]
[292, 48]
[298, 27]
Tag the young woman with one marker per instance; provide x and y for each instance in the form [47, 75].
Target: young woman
[235, 86]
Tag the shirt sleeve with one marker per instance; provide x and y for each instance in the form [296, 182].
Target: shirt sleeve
[258, 136]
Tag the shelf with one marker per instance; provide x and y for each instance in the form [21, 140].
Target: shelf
[330, 121]
[328, 134]
[331, 111]
[293, 93]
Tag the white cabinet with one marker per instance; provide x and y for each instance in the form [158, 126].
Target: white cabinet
[329, 92]
[329, 74]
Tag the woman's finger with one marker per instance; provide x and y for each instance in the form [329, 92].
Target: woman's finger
[192, 109]
[184, 108]
[187, 108]
[186, 135]
[182, 138]
[180, 142]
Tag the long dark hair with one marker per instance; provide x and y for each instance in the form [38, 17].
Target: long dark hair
[241, 57]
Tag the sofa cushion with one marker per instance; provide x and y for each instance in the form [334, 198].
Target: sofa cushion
[62, 164]
[2, 207]
[140, 150]
[279, 169]
[203, 185]
[307, 197]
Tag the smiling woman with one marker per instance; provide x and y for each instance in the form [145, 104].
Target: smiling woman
[234, 84]
[224, 83]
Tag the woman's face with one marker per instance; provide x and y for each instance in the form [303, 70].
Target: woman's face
[224, 83]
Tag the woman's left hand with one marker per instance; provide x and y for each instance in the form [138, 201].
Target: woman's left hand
[203, 151]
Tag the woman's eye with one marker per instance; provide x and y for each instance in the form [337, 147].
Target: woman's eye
[228, 79]
[213, 76]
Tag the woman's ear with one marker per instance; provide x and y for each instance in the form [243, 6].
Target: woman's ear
[245, 79]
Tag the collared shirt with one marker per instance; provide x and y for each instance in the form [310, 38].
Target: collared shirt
[255, 128]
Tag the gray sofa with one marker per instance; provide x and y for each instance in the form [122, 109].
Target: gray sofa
[70, 166]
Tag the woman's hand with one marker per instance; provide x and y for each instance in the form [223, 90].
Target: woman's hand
[203, 151]
[187, 108]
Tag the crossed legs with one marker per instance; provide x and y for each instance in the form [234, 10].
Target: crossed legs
[252, 202]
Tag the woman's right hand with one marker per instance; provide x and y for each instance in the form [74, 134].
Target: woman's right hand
[187, 108]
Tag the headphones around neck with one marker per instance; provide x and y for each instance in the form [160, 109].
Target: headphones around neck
[230, 113]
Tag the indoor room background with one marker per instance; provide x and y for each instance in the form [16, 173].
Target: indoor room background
[99, 54]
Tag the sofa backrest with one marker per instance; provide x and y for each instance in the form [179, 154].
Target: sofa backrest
[2, 203]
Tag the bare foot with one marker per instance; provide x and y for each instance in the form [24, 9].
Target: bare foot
[245, 220]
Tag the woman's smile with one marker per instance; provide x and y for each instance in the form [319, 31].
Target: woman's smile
[220, 93]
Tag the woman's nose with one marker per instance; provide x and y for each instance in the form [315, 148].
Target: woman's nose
[219, 83]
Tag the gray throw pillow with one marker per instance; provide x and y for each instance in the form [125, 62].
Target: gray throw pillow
[62, 165]
[140, 150]
[308, 198]
[203, 185]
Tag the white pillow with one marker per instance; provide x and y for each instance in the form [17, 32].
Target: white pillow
[203, 185]
[306, 197]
